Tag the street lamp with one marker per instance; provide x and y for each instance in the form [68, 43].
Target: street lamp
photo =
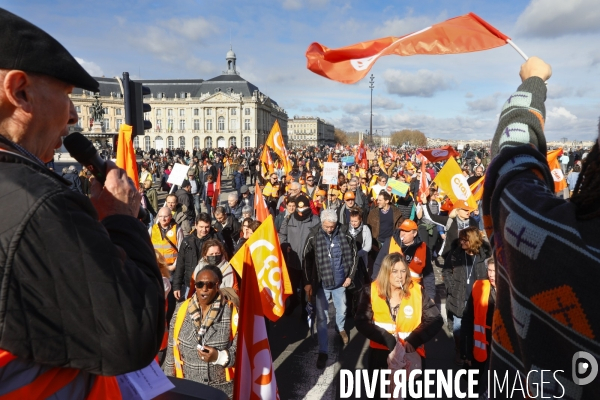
[371, 86]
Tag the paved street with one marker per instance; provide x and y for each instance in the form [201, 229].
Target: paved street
[295, 352]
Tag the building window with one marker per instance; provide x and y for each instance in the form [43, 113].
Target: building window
[181, 142]
[119, 122]
[170, 142]
[233, 124]
[182, 124]
[118, 111]
[196, 141]
[209, 111]
[136, 142]
[209, 124]
[246, 141]
[78, 109]
[146, 143]
[182, 112]
[232, 141]
[158, 143]
[159, 112]
[170, 125]
[247, 124]
[220, 141]
[170, 112]
[158, 124]
[221, 123]
[196, 112]
[196, 124]
[233, 111]
[208, 143]
[105, 111]
[247, 111]
[106, 123]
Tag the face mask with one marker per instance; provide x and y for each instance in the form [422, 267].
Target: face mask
[214, 260]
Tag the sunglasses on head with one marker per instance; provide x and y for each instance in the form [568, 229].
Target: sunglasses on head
[209, 285]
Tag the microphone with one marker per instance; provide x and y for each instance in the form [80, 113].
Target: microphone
[82, 150]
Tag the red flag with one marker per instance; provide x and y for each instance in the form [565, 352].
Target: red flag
[260, 207]
[350, 64]
[254, 372]
[423, 185]
[361, 155]
[215, 199]
[443, 153]
[126, 154]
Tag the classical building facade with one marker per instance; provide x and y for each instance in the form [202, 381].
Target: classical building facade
[310, 131]
[190, 113]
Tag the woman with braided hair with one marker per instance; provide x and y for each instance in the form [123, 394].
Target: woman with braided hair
[547, 251]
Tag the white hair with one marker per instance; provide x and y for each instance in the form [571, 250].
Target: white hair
[329, 215]
[232, 196]
[246, 209]
[295, 185]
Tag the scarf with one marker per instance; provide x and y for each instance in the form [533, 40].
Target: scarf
[196, 314]
[354, 232]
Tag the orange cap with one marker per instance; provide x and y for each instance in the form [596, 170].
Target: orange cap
[463, 205]
[408, 225]
[349, 196]
[321, 192]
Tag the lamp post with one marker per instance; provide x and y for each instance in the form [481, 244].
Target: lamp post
[371, 86]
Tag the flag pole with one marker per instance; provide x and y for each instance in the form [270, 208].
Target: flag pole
[514, 46]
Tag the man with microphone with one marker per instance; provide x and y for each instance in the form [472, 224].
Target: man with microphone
[81, 296]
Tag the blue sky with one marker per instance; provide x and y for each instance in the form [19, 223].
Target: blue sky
[454, 97]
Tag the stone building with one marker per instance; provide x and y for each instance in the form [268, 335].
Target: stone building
[310, 131]
[223, 111]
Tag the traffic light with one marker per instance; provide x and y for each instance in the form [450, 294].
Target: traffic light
[135, 107]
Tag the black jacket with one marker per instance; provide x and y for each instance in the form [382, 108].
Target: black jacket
[455, 276]
[431, 322]
[188, 257]
[186, 198]
[230, 233]
[451, 241]
[74, 292]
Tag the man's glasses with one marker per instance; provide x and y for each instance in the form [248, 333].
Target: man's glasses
[209, 285]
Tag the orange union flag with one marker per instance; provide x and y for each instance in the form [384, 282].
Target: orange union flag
[254, 373]
[350, 64]
[126, 154]
[271, 270]
[451, 180]
[443, 153]
[557, 175]
[275, 141]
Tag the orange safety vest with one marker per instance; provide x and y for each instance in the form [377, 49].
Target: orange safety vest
[417, 264]
[481, 297]
[181, 314]
[162, 245]
[407, 320]
[53, 380]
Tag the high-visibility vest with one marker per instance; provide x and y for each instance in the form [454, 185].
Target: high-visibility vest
[417, 264]
[162, 245]
[181, 314]
[50, 381]
[481, 297]
[407, 320]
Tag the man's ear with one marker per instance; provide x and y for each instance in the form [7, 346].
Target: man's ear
[17, 89]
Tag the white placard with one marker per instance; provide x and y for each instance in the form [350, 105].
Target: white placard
[330, 173]
[178, 174]
[145, 384]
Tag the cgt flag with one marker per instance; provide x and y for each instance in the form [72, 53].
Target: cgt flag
[557, 175]
[260, 207]
[254, 373]
[271, 270]
[452, 182]
[350, 64]
[477, 188]
[126, 154]
[275, 141]
[440, 154]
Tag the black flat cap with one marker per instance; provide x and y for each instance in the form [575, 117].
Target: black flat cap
[25, 47]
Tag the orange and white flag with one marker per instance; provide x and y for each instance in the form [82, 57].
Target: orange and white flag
[423, 184]
[350, 64]
[477, 188]
[265, 158]
[440, 154]
[275, 141]
[126, 154]
[254, 372]
[271, 269]
[217, 194]
[260, 206]
[557, 175]
[454, 184]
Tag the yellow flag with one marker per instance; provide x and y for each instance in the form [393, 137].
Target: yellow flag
[394, 247]
[452, 182]
[477, 188]
[275, 141]
[273, 279]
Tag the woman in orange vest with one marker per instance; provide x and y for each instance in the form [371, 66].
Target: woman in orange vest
[394, 308]
[203, 334]
[476, 328]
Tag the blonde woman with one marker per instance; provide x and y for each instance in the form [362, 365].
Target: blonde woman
[395, 308]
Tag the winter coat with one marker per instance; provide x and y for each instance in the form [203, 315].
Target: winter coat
[188, 258]
[295, 233]
[373, 220]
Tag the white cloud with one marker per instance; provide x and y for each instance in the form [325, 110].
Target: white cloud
[560, 113]
[423, 83]
[91, 67]
[299, 4]
[325, 109]
[488, 103]
[379, 102]
[292, 4]
[193, 28]
[402, 26]
[556, 91]
[553, 18]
